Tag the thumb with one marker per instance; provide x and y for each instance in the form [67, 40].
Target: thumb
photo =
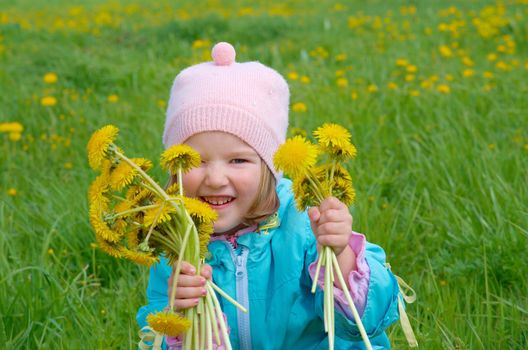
[314, 214]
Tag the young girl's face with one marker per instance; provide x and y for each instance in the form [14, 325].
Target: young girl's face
[228, 178]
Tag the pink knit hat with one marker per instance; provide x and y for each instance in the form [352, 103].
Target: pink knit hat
[248, 100]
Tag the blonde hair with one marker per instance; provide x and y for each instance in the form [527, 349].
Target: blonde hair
[267, 201]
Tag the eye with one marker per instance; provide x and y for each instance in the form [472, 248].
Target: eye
[238, 161]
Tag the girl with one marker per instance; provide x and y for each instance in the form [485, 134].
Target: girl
[263, 251]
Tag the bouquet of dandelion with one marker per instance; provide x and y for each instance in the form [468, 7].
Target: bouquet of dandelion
[317, 173]
[134, 218]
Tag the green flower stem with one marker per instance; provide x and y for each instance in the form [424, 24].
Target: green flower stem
[332, 176]
[187, 339]
[195, 330]
[317, 270]
[210, 307]
[202, 323]
[330, 272]
[351, 304]
[220, 318]
[208, 328]
[130, 211]
[315, 187]
[178, 265]
[154, 222]
[180, 181]
[226, 296]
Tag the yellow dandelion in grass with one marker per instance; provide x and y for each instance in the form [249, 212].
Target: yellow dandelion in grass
[443, 88]
[50, 78]
[295, 156]
[168, 323]
[48, 101]
[112, 98]
[180, 156]
[13, 127]
[12, 192]
[109, 248]
[99, 145]
[101, 228]
[159, 214]
[335, 139]
[299, 107]
[145, 259]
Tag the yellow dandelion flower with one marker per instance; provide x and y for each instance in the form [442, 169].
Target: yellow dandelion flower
[122, 176]
[343, 190]
[468, 72]
[302, 190]
[11, 127]
[15, 136]
[354, 95]
[12, 192]
[109, 248]
[112, 98]
[401, 62]
[293, 76]
[445, 51]
[299, 107]
[392, 85]
[443, 88]
[132, 238]
[180, 156]
[372, 88]
[159, 214]
[411, 68]
[414, 93]
[295, 156]
[199, 211]
[145, 259]
[98, 189]
[335, 139]
[342, 82]
[168, 323]
[101, 228]
[50, 78]
[48, 101]
[305, 79]
[173, 190]
[99, 145]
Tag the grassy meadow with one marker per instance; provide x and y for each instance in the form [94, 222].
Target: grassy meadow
[433, 92]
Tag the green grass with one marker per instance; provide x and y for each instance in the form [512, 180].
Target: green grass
[441, 178]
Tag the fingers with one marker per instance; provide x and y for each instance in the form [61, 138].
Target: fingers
[190, 287]
[207, 271]
[331, 203]
[187, 268]
[335, 215]
[314, 214]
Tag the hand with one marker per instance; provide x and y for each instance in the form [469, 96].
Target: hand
[331, 224]
[190, 287]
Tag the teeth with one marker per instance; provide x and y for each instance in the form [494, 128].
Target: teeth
[217, 200]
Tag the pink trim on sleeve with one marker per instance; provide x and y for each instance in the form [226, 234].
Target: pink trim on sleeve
[358, 280]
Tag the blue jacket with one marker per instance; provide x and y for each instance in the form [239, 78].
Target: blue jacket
[268, 273]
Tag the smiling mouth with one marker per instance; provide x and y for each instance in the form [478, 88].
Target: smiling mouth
[218, 200]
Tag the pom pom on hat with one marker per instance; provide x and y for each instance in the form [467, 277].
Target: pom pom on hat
[223, 54]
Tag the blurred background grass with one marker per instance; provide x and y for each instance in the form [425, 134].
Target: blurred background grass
[434, 94]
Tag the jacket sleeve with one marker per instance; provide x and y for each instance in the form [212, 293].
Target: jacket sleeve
[381, 307]
[157, 298]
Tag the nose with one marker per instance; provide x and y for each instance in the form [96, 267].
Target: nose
[215, 176]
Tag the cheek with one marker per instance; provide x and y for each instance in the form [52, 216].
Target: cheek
[191, 181]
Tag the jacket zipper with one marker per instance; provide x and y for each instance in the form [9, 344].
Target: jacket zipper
[240, 261]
